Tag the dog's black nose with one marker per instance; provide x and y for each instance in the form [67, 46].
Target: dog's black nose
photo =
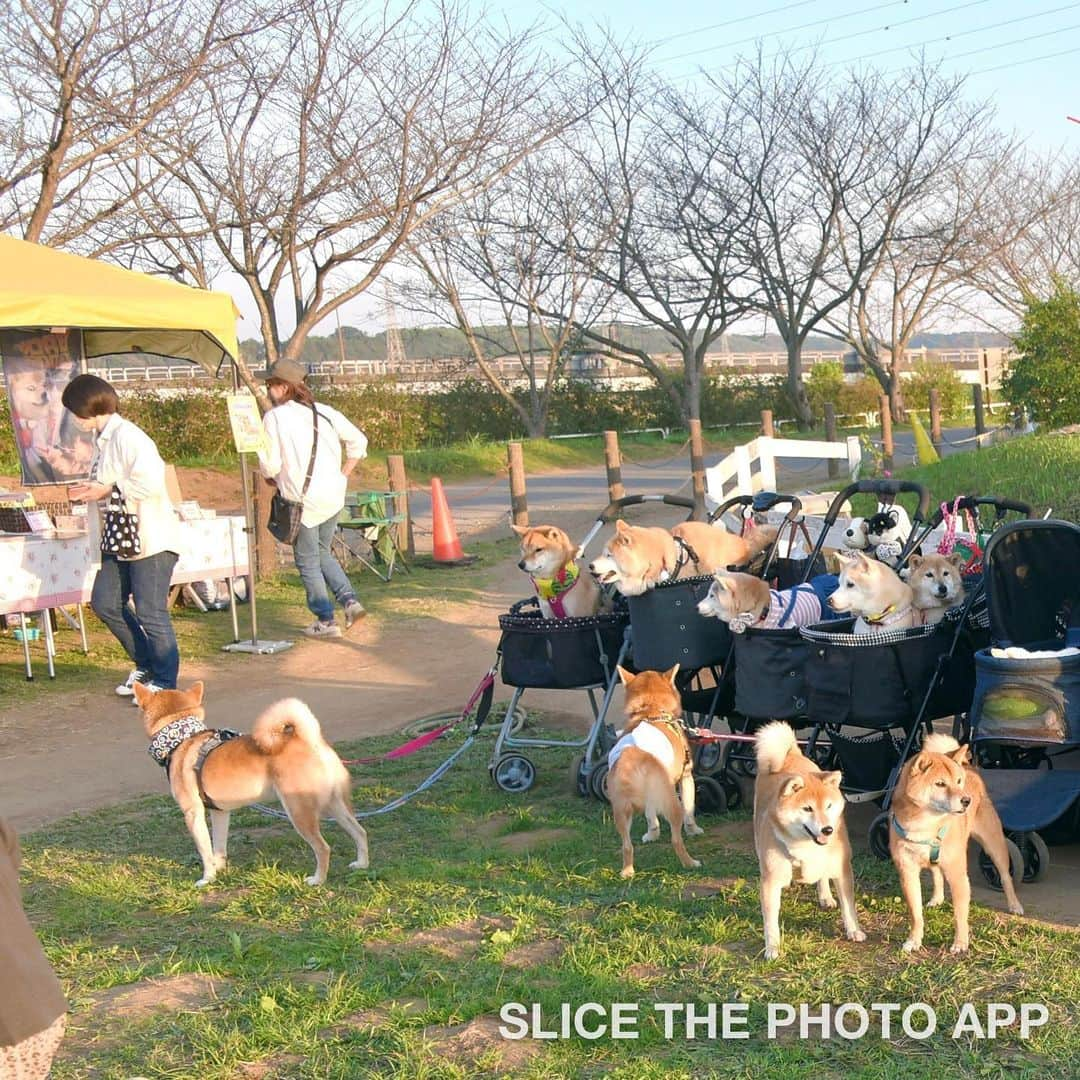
[965, 800]
[521, 564]
[942, 590]
[827, 831]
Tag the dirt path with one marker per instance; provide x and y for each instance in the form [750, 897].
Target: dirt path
[89, 751]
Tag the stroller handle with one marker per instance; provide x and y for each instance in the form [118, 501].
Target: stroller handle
[760, 503]
[612, 509]
[973, 502]
[881, 488]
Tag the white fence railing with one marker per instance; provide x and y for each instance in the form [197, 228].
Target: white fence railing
[752, 466]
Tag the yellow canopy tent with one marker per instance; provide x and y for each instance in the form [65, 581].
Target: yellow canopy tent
[119, 311]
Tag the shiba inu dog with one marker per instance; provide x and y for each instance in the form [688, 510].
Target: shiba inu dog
[285, 756]
[939, 804]
[746, 602]
[549, 556]
[714, 548]
[875, 593]
[799, 832]
[651, 757]
[936, 585]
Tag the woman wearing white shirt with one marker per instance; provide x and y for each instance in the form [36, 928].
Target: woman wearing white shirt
[127, 458]
[290, 432]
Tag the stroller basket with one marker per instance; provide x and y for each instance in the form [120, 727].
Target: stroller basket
[880, 680]
[559, 654]
[867, 760]
[668, 629]
[770, 680]
[1028, 699]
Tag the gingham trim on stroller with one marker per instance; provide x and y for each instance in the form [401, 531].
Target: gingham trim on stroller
[882, 637]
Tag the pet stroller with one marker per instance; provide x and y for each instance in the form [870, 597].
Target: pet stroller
[872, 696]
[667, 629]
[1025, 717]
[564, 654]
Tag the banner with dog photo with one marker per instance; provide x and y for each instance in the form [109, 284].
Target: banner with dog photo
[37, 367]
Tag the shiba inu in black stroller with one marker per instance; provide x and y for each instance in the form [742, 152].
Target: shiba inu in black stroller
[1025, 716]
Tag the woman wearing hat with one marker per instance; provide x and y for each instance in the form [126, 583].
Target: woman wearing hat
[294, 427]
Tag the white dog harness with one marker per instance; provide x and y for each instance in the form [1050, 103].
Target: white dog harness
[645, 737]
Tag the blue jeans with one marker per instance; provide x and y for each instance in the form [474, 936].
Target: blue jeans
[320, 572]
[145, 633]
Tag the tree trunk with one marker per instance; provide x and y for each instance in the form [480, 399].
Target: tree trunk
[691, 384]
[795, 388]
[895, 391]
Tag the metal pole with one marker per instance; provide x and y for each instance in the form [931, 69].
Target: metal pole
[249, 526]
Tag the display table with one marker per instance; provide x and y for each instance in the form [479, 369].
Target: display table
[38, 573]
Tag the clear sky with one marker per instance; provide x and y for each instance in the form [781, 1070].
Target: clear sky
[1021, 55]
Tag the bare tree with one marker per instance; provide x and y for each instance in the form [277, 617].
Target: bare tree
[83, 82]
[656, 241]
[827, 167]
[329, 139]
[502, 269]
[943, 234]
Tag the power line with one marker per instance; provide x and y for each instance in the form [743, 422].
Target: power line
[731, 22]
[1016, 41]
[1030, 60]
[958, 34]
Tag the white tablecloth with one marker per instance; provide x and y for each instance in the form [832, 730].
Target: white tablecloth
[40, 572]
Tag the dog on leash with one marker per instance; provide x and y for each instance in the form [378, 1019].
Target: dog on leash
[874, 592]
[650, 759]
[936, 585]
[799, 832]
[549, 557]
[941, 802]
[285, 756]
[746, 602]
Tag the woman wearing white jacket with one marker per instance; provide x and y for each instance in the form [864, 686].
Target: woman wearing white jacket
[290, 432]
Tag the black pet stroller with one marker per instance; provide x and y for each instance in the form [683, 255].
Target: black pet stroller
[667, 629]
[871, 697]
[1025, 717]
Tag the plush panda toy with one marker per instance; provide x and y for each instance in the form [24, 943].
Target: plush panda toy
[855, 536]
[887, 532]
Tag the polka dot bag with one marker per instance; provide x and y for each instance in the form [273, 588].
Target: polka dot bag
[119, 528]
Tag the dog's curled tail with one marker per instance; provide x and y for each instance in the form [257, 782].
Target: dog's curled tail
[772, 744]
[283, 721]
[940, 744]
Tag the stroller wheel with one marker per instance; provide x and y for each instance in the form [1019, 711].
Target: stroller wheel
[878, 836]
[732, 792]
[989, 870]
[579, 779]
[598, 781]
[514, 773]
[709, 756]
[1035, 853]
[709, 796]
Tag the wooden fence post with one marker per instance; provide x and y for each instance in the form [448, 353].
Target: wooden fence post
[935, 419]
[830, 436]
[398, 483]
[519, 509]
[697, 469]
[767, 423]
[887, 451]
[613, 461]
[980, 415]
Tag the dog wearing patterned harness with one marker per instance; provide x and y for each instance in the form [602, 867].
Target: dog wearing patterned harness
[549, 557]
[284, 757]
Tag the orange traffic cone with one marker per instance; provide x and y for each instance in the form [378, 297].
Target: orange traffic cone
[446, 547]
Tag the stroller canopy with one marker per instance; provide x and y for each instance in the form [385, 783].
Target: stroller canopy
[1032, 578]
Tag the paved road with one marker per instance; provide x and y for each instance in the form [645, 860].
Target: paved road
[477, 504]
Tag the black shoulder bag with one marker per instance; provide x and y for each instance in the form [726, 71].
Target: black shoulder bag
[284, 523]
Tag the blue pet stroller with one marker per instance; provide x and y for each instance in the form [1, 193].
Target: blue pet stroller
[1025, 717]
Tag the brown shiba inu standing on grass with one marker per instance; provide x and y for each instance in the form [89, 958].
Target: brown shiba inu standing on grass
[649, 760]
[941, 802]
[285, 756]
[799, 832]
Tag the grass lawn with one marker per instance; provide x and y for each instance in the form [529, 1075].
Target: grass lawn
[476, 898]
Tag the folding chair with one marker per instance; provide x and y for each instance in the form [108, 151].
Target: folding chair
[366, 512]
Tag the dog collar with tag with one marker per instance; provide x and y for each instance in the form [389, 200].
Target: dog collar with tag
[890, 615]
[934, 844]
[554, 590]
[746, 619]
[171, 736]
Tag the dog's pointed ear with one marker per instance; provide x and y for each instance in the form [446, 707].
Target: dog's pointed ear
[921, 762]
[722, 582]
[142, 695]
[552, 532]
[197, 689]
[521, 530]
[624, 675]
[792, 786]
[914, 562]
[957, 560]
[961, 755]
[621, 526]
[832, 779]
[671, 673]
